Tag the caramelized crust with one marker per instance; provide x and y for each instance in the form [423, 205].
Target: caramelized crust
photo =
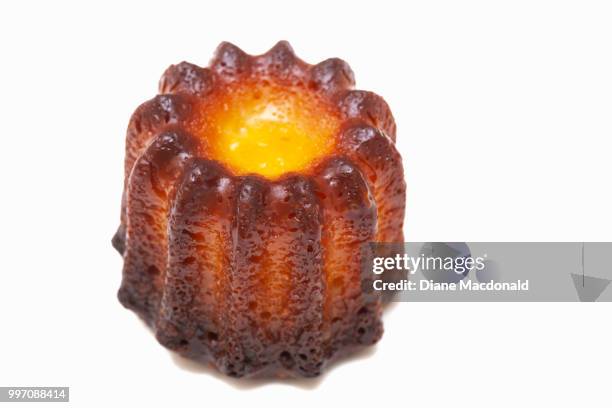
[150, 119]
[257, 275]
[186, 78]
[331, 76]
[369, 108]
[147, 207]
[350, 224]
[382, 164]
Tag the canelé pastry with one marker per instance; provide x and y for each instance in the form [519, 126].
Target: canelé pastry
[252, 189]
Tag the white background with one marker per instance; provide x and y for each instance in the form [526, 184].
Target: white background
[504, 117]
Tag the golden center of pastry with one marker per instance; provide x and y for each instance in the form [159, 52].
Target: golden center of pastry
[272, 130]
